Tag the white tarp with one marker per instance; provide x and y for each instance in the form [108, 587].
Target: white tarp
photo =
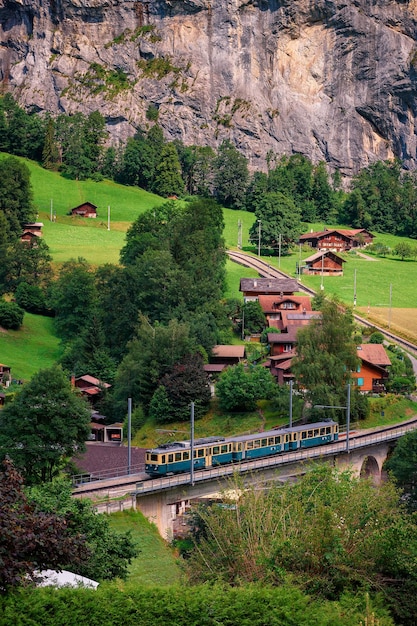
[50, 577]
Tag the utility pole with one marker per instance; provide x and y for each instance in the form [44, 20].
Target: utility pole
[259, 237]
[354, 289]
[192, 444]
[239, 234]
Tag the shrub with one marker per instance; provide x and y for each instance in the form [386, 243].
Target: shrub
[30, 298]
[11, 315]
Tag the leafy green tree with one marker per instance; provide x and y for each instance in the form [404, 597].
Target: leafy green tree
[253, 317]
[31, 298]
[376, 337]
[160, 408]
[28, 262]
[257, 188]
[73, 297]
[168, 180]
[402, 465]
[88, 354]
[278, 215]
[231, 176]
[16, 197]
[81, 139]
[403, 250]
[322, 193]
[331, 533]
[11, 315]
[187, 382]
[150, 355]
[44, 425]
[117, 306]
[326, 356]
[31, 540]
[50, 154]
[239, 389]
[110, 552]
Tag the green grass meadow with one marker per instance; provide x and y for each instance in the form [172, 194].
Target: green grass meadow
[72, 237]
[33, 347]
[156, 563]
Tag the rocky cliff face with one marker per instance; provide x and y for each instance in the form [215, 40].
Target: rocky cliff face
[332, 79]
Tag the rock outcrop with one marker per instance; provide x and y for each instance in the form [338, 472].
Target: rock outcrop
[332, 79]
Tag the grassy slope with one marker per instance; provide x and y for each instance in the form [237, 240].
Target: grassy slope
[156, 563]
[30, 349]
[73, 237]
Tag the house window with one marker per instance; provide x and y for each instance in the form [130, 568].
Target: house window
[360, 382]
[358, 369]
[287, 347]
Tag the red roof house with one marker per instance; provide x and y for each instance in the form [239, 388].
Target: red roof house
[338, 239]
[86, 209]
[372, 372]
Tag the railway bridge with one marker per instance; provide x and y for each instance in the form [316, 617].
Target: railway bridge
[163, 500]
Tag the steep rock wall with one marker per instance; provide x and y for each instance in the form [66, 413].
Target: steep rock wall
[332, 79]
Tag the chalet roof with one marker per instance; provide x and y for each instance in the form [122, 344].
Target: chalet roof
[276, 358]
[324, 253]
[270, 303]
[349, 233]
[283, 365]
[288, 337]
[302, 316]
[84, 205]
[269, 285]
[33, 225]
[373, 353]
[91, 380]
[213, 367]
[229, 351]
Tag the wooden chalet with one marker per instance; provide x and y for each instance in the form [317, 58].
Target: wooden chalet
[90, 387]
[5, 375]
[283, 343]
[276, 308]
[226, 355]
[31, 231]
[86, 209]
[252, 288]
[372, 372]
[325, 262]
[339, 240]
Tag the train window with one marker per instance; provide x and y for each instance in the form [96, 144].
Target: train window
[322, 431]
[238, 447]
[170, 458]
[328, 430]
[154, 457]
[310, 433]
[316, 432]
[216, 449]
[271, 441]
[163, 458]
[225, 448]
[294, 437]
[249, 445]
[278, 440]
[178, 456]
[200, 453]
[257, 443]
[286, 438]
[264, 442]
[304, 434]
[208, 451]
[186, 456]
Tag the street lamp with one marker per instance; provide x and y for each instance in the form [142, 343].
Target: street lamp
[259, 237]
[347, 407]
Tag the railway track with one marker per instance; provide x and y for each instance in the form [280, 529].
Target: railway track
[265, 270]
[142, 483]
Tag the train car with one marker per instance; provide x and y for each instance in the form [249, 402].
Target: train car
[260, 444]
[173, 458]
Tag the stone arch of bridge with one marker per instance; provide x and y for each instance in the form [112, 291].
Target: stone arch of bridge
[370, 468]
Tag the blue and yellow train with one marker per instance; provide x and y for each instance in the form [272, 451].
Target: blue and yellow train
[171, 458]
